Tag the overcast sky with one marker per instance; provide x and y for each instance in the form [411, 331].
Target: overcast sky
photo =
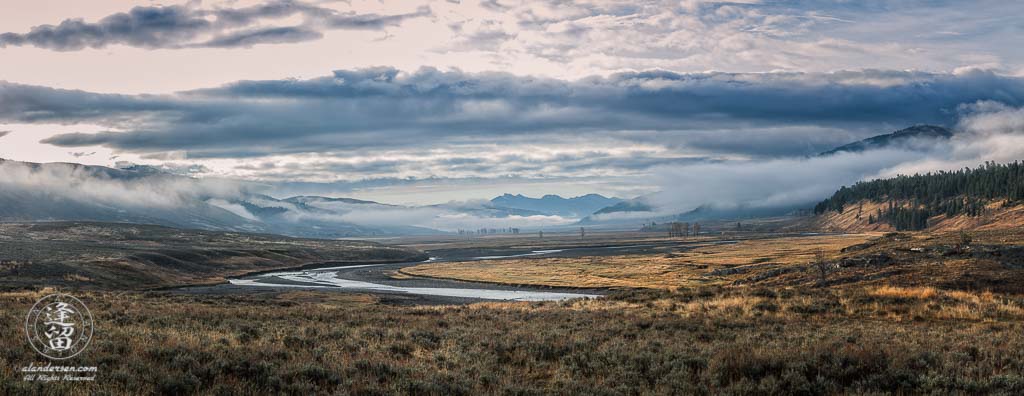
[424, 102]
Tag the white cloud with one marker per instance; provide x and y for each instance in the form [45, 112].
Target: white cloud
[237, 209]
[987, 131]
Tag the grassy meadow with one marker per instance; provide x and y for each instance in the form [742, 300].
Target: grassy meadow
[895, 313]
[692, 266]
[711, 340]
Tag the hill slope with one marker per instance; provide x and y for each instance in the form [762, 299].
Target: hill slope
[131, 256]
[634, 205]
[989, 196]
[900, 138]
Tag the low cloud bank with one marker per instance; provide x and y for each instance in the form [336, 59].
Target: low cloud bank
[147, 192]
[986, 131]
[112, 187]
[463, 216]
[774, 183]
[452, 221]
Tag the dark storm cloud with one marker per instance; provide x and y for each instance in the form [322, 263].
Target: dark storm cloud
[186, 26]
[29, 103]
[383, 108]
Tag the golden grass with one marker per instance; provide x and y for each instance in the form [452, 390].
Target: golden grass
[683, 268]
[891, 303]
[725, 341]
[614, 271]
[790, 250]
[906, 292]
[953, 304]
[855, 218]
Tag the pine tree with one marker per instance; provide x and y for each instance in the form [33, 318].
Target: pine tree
[951, 193]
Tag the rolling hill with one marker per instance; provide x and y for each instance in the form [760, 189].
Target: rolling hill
[633, 205]
[905, 138]
[134, 256]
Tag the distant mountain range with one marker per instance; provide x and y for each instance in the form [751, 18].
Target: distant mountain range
[575, 207]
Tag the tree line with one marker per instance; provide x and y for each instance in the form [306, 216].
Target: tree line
[949, 193]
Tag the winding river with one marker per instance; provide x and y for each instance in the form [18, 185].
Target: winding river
[355, 278]
[377, 279]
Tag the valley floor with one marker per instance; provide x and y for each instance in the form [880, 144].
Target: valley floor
[686, 263]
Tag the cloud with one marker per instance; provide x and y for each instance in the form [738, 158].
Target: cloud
[987, 131]
[580, 37]
[355, 109]
[97, 185]
[740, 36]
[172, 168]
[990, 131]
[382, 122]
[451, 217]
[695, 5]
[464, 221]
[150, 193]
[234, 208]
[188, 26]
[769, 184]
[277, 35]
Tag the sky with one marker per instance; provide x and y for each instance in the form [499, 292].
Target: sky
[422, 102]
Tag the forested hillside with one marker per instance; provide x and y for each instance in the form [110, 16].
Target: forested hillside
[911, 201]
